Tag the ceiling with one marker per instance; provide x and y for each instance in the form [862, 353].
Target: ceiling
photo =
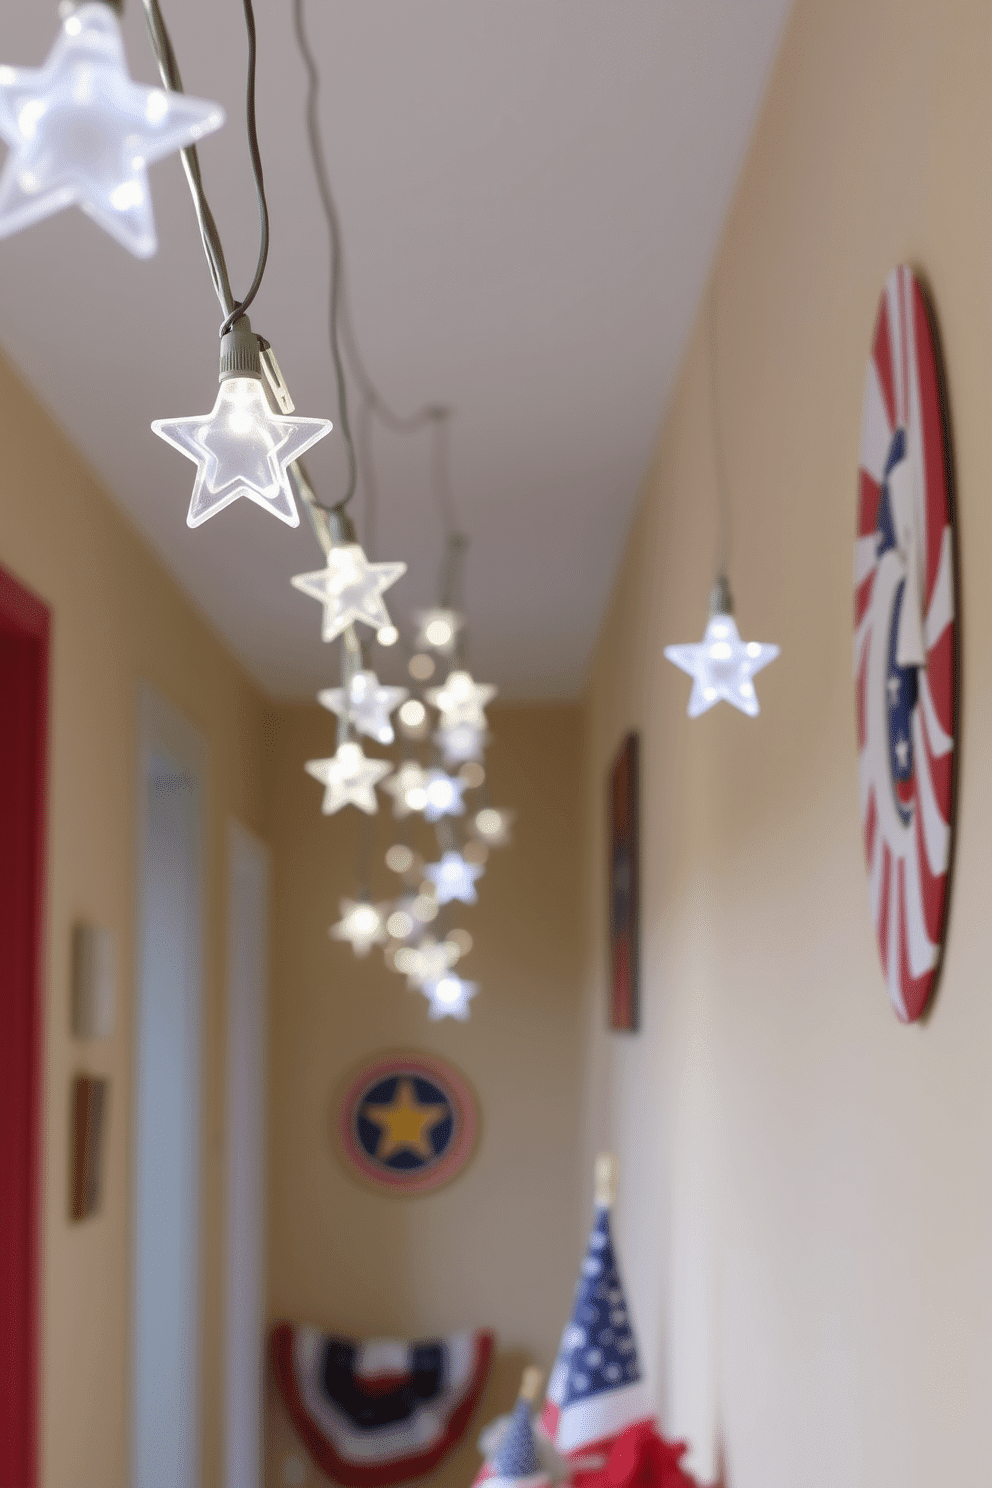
[530, 191]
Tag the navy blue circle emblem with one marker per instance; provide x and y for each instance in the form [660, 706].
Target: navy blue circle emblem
[407, 1122]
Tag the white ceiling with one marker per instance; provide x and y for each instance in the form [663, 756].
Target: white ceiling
[531, 192]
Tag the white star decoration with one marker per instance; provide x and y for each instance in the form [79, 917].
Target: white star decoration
[368, 706]
[461, 701]
[361, 923]
[438, 630]
[349, 779]
[454, 878]
[461, 743]
[444, 795]
[722, 666]
[449, 997]
[408, 788]
[82, 133]
[350, 588]
[242, 448]
[428, 962]
[492, 825]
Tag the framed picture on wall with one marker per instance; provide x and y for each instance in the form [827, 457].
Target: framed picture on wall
[624, 895]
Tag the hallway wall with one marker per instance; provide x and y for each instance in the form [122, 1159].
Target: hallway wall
[805, 1210]
[499, 1246]
[117, 620]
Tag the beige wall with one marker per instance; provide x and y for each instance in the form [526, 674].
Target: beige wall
[117, 620]
[806, 1212]
[500, 1245]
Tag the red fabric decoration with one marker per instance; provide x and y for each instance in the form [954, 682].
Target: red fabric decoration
[640, 1458]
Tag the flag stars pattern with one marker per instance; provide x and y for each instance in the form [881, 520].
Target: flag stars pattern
[602, 1351]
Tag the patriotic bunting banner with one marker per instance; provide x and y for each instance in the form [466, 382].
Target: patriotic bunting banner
[379, 1412]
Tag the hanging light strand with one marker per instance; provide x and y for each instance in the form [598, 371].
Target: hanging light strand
[210, 236]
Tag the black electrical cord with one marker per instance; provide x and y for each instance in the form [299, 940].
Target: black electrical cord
[212, 246]
[342, 331]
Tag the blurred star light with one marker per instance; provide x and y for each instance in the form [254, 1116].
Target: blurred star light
[453, 878]
[449, 997]
[461, 700]
[492, 826]
[368, 705]
[722, 667]
[350, 588]
[427, 962]
[408, 788]
[444, 795]
[361, 923]
[462, 742]
[82, 133]
[349, 779]
[438, 629]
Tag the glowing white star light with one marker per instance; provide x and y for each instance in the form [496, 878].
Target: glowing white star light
[82, 133]
[368, 705]
[453, 878]
[461, 743]
[348, 778]
[408, 788]
[438, 630]
[461, 700]
[492, 826]
[444, 795]
[241, 448]
[361, 923]
[722, 666]
[350, 588]
[449, 997]
[427, 962]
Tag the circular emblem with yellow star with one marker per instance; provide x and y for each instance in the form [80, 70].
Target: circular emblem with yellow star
[407, 1122]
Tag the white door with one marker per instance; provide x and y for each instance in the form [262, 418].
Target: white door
[165, 1446]
[246, 1025]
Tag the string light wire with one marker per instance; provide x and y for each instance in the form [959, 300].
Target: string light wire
[212, 246]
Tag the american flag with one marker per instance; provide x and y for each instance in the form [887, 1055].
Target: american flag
[515, 1462]
[596, 1388]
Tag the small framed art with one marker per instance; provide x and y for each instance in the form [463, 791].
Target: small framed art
[624, 889]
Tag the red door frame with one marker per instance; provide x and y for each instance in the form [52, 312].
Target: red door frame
[24, 630]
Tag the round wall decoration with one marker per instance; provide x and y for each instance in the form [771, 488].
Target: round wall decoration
[406, 1122]
[905, 645]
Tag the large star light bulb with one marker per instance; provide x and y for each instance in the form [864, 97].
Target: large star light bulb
[453, 878]
[461, 700]
[81, 133]
[722, 666]
[444, 795]
[350, 588]
[449, 997]
[366, 703]
[361, 923]
[241, 448]
[348, 778]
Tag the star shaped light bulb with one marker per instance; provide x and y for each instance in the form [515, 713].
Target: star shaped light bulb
[368, 704]
[348, 778]
[82, 133]
[449, 997]
[492, 826]
[453, 878]
[461, 700]
[408, 788]
[438, 629]
[722, 666]
[362, 923]
[350, 588]
[241, 448]
[462, 743]
[444, 795]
